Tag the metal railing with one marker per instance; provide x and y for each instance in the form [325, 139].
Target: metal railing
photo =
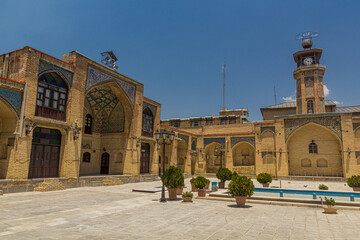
[310, 67]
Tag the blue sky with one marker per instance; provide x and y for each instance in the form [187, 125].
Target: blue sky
[177, 48]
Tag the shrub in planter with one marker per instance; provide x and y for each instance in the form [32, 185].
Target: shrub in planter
[323, 187]
[264, 178]
[241, 187]
[330, 203]
[173, 179]
[200, 183]
[223, 174]
[187, 196]
[235, 174]
[354, 182]
[192, 182]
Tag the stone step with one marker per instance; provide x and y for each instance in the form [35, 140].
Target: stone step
[49, 185]
[111, 181]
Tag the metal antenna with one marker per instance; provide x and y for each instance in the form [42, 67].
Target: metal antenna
[224, 85]
[275, 93]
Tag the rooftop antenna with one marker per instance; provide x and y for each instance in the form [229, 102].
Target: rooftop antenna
[224, 85]
[275, 93]
[306, 38]
[109, 59]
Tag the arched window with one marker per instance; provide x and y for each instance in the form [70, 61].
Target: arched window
[147, 123]
[88, 124]
[51, 97]
[86, 157]
[313, 147]
[310, 106]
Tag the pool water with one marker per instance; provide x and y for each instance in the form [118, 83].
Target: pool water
[307, 194]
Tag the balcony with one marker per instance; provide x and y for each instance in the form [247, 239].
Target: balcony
[309, 67]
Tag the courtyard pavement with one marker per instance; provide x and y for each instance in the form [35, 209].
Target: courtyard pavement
[118, 213]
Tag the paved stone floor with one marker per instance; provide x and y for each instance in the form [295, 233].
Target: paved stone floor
[118, 213]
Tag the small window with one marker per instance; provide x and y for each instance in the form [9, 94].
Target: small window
[86, 157]
[88, 124]
[209, 122]
[223, 121]
[313, 148]
[175, 124]
[195, 123]
[232, 121]
[310, 106]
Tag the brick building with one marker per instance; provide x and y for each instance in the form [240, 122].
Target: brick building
[309, 137]
[71, 117]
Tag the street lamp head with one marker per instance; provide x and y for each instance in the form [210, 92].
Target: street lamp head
[157, 135]
[172, 135]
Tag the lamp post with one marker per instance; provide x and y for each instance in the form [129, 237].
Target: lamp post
[219, 152]
[164, 138]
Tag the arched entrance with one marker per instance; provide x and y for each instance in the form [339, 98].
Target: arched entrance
[105, 163]
[243, 155]
[213, 162]
[145, 158]
[45, 153]
[314, 151]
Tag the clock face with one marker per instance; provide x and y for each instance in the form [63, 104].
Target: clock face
[308, 61]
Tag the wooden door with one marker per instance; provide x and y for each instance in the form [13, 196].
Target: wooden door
[45, 153]
[105, 162]
[145, 158]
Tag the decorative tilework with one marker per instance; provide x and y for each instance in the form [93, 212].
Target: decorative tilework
[263, 129]
[356, 125]
[46, 67]
[96, 76]
[102, 99]
[236, 140]
[210, 140]
[332, 122]
[152, 107]
[13, 98]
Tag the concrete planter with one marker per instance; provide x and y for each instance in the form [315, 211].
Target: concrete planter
[187, 199]
[266, 184]
[240, 201]
[356, 189]
[221, 185]
[179, 191]
[328, 209]
[201, 192]
[172, 193]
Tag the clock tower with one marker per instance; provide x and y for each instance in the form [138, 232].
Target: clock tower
[309, 79]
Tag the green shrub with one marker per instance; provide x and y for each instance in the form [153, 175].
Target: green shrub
[264, 178]
[200, 182]
[354, 181]
[224, 174]
[174, 177]
[330, 202]
[235, 174]
[323, 187]
[192, 180]
[241, 186]
[187, 194]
